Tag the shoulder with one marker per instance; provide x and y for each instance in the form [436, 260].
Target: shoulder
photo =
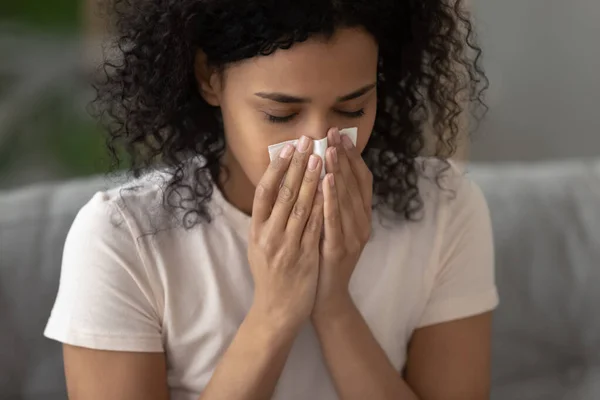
[461, 271]
[109, 225]
[133, 207]
[110, 296]
[455, 208]
[110, 237]
[447, 195]
[453, 217]
[446, 188]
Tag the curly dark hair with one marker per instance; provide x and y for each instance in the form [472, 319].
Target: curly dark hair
[148, 98]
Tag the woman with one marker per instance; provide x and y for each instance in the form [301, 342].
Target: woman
[221, 275]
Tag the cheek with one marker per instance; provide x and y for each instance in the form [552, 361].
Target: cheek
[254, 162]
[246, 142]
[250, 151]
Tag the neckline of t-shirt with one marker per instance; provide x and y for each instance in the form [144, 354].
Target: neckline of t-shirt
[240, 221]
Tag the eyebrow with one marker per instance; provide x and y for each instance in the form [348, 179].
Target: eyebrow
[289, 99]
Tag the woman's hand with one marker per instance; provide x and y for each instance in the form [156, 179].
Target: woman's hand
[348, 190]
[284, 239]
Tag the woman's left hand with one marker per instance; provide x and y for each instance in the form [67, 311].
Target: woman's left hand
[348, 192]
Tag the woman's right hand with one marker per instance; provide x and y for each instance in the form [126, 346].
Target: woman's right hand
[283, 248]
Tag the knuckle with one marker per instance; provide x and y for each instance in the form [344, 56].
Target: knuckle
[286, 194]
[313, 225]
[309, 178]
[331, 217]
[298, 160]
[337, 252]
[299, 211]
[268, 246]
[267, 243]
[278, 163]
[262, 191]
[353, 247]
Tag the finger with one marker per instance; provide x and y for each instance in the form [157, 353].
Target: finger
[362, 174]
[267, 188]
[312, 232]
[346, 210]
[302, 208]
[334, 235]
[288, 192]
[352, 186]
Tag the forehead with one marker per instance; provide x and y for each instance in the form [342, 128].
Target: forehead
[345, 61]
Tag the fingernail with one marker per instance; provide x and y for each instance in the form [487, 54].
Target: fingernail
[287, 151]
[303, 145]
[313, 161]
[334, 156]
[331, 180]
[347, 142]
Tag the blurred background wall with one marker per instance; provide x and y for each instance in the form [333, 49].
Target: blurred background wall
[543, 61]
[542, 58]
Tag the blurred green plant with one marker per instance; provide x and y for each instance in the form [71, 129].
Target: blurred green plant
[76, 143]
[57, 136]
[55, 15]
[47, 133]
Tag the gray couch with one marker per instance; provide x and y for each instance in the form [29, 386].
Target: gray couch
[546, 220]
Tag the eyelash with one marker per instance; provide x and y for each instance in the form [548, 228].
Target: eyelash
[282, 120]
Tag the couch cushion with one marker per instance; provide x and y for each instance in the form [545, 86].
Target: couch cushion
[546, 220]
[33, 225]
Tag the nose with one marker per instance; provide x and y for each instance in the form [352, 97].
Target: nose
[318, 129]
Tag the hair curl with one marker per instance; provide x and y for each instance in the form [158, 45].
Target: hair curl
[149, 101]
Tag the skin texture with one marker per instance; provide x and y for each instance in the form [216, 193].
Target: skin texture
[445, 361]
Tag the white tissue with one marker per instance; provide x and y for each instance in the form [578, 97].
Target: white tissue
[319, 146]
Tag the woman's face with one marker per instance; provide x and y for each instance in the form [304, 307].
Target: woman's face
[314, 86]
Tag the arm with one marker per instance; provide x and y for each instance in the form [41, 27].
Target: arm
[449, 353]
[284, 286]
[253, 363]
[451, 360]
[99, 375]
[358, 365]
[448, 361]
[285, 278]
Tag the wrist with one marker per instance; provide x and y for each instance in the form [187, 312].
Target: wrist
[271, 327]
[333, 309]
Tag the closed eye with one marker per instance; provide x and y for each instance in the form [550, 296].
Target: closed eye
[352, 114]
[280, 120]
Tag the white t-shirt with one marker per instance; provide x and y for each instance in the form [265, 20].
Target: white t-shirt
[185, 293]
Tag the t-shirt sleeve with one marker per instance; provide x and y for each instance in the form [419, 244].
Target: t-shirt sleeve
[463, 279]
[105, 299]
